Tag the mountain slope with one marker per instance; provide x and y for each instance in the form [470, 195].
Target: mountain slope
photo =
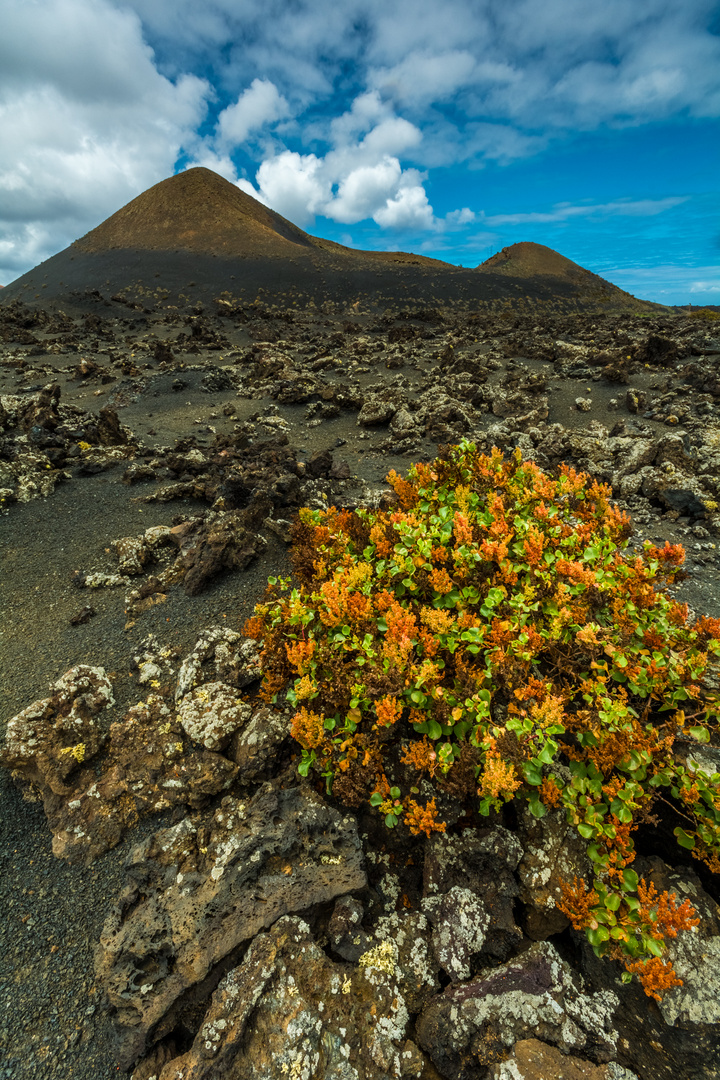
[195, 235]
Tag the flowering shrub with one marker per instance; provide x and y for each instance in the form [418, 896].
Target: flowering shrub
[489, 638]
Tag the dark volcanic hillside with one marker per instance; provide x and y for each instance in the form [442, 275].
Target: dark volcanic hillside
[196, 235]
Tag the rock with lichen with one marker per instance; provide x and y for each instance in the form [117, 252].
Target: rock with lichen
[210, 714]
[49, 740]
[537, 995]
[197, 890]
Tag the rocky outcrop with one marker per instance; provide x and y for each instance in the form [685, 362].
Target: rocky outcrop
[474, 1024]
[47, 744]
[199, 890]
[535, 1060]
[480, 864]
[554, 853]
[219, 654]
[149, 765]
[288, 1010]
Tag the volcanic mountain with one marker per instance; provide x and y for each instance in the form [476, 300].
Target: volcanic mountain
[196, 235]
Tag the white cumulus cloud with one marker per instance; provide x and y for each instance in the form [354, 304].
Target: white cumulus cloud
[87, 122]
[257, 106]
[360, 178]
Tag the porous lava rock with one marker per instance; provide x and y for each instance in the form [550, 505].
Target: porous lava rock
[480, 863]
[200, 889]
[220, 654]
[256, 745]
[288, 1010]
[212, 713]
[553, 853]
[47, 742]
[209, 547]
[535, 1060]
[149, 766]
[460, 922]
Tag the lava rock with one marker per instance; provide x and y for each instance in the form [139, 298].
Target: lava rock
[199, 889]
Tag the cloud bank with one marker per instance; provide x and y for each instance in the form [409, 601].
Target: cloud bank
[344, 111]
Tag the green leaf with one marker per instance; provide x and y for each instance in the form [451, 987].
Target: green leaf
[597, 937]
[533, 773]
[626, 977]
[433, 729]
[329, 723]
[653, 946]
[536, 807]
[684, 839]
[700, 734]
[391, 821]
[594, 854]
[586, 831]
[394, 792]
[376, 798]
[630, 880]
[613, 902]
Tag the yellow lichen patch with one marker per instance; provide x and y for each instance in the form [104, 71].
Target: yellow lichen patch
[78, 752]
[382, 957]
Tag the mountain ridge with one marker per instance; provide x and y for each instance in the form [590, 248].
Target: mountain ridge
[197, 231]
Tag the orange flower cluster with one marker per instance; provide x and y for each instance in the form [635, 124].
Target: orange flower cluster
[401, 632]
[497, 778]
[308, 729]
[299, 654]
[462, 529]
[389, 710]
[663, 911]
[533, 545]
[655, 975]
[440, 580]
[421, 819]
[577, 902]
[421, 755]
[575, 571]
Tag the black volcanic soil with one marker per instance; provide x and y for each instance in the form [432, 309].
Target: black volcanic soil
[199, 388]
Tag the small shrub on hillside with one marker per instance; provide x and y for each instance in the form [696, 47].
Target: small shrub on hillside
[490, 638]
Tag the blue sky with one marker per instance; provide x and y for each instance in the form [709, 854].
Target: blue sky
[451, 128]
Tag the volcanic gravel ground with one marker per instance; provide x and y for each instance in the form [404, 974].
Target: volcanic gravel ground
[52, 1019]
